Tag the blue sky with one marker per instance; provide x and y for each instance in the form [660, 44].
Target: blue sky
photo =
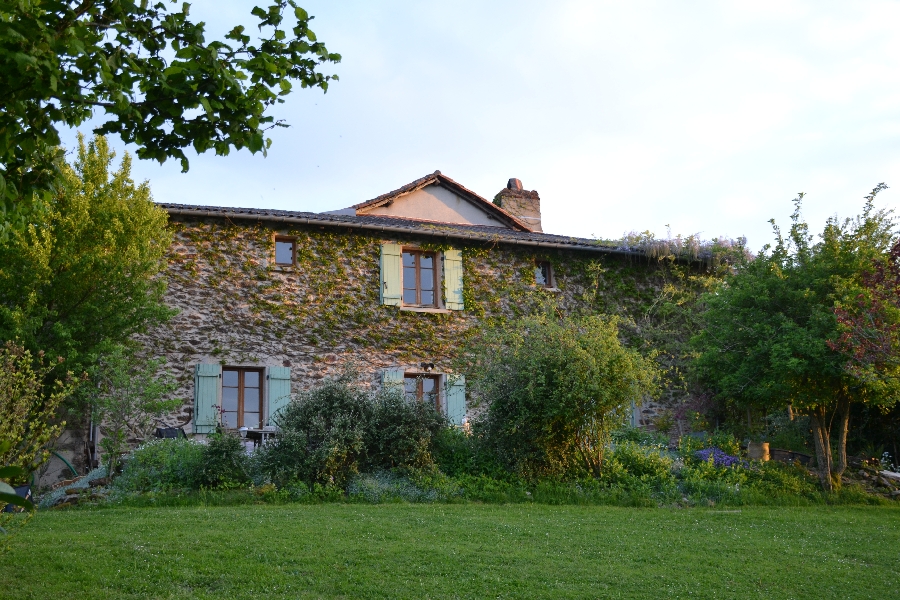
[706, 117]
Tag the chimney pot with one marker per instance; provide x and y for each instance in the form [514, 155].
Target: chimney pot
[514, 184]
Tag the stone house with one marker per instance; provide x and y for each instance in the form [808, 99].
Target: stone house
[270, 302]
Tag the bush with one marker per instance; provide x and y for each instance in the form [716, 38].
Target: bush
[160, 465]
[689, 445]
[335, 431]
[554, 389]
[400, 433]
[225, 462]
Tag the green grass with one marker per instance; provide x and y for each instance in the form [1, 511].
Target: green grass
[455, 551]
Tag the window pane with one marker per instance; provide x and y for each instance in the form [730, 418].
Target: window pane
[409, 297]
[251, 398]
[428, 385]
[426, 261]
[284, 253]
[251, 379]
[229, 398]
[426, 278]
[409, 278]
[230, 378]
[409, 260]
[251, 420]
[230, 419]
[410, 386]
[427, 298]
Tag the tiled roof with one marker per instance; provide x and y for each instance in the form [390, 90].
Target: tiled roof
[484, 233]
[439, 178]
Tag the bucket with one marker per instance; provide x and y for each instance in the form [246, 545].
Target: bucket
[758, 451]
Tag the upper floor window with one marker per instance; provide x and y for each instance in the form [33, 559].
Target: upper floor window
[422, 388]
[242, 398]
[543, 274]
[419, 278]
[285, 251]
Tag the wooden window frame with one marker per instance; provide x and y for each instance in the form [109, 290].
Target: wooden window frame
[436, 289]
[549, 282]
[420, 393]
[293, 241]
[240, 401]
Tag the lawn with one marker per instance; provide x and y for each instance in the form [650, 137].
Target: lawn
[455, 551]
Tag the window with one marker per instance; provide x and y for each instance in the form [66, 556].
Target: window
[242, 398]
[419, 278]
[285, 251]
[543, 274]
[422, 388]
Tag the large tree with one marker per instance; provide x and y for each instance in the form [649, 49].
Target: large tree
[771, 327]
[150, 72]
[83, 275]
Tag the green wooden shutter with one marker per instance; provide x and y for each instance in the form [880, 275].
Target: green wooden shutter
[392, 379]
[456, 399]
[453, 279]
[279, 380]
[391, 286]
[206, 397]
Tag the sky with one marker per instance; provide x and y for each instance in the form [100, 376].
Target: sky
[699, 117]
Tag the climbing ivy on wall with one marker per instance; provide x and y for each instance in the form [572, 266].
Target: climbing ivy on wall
[329, 302]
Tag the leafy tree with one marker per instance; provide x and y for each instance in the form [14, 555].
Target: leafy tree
[553, 390]
[83, 275]
[29, 410]
[151, 72]
[768, 327]
[131, 393]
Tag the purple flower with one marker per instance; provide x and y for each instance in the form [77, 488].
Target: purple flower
[718, 457]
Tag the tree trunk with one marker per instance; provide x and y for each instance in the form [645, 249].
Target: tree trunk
[790, 412]
[822, 440]
[843, 414]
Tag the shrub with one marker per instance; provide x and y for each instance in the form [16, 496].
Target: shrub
[400, 433]
[335, 431]
[689, 445]
[323, 435]
[554, 390]
[225, 462]
[164, 464]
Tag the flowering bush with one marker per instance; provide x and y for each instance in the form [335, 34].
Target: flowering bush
[717, 457]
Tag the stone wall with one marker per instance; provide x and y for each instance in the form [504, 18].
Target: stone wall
[237, 308]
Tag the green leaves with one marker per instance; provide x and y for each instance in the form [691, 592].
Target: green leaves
[7, 492]
[62, 64]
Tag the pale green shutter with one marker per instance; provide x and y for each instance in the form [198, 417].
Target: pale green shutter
[390, 274]
[453, 279]
[206, 397]
[456, 399]
[392, 379]
[279, 391]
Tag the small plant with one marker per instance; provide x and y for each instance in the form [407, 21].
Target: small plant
[225, 462]
[717, 457]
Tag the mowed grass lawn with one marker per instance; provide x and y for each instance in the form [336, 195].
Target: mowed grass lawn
[455, 551]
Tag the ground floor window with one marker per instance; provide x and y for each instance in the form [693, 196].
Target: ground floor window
[423, 388]
[242, 398]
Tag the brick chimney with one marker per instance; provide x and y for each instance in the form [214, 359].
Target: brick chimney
[522, 204]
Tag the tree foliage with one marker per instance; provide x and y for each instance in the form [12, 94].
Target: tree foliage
[83, 275]
[131, 392]
[28, 409]
[770, 327]
[152, 74]
[552, 390]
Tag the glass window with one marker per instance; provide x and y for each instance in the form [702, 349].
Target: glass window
[241, 398]
[423, 388]
[419, 278]
[285, 250]
[542, 274]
